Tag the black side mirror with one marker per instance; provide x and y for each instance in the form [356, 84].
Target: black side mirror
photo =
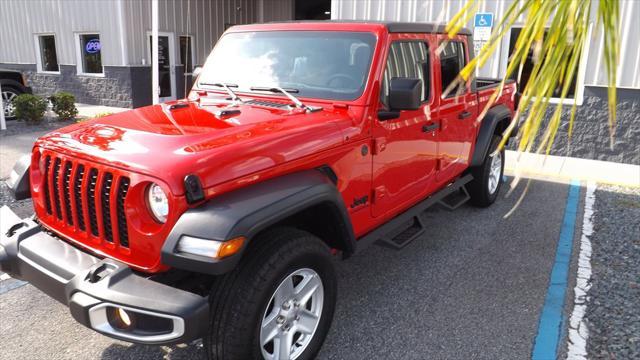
[405, 93]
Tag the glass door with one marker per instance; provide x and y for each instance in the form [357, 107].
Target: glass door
[166, 67]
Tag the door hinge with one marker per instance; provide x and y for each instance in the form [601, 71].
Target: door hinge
[378, 193]
[379, 144]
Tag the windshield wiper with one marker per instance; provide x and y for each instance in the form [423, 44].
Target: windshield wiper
[287, 93]
[227, 87]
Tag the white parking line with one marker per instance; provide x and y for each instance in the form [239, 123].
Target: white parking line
[4, 276]
[578, 330]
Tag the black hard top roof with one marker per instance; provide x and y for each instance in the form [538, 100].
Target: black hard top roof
[392, 26]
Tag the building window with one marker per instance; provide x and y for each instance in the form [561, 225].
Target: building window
[452, 61]
[90, 52]
[186, 53]
[576, 88]
[47, 55]
[406, 59]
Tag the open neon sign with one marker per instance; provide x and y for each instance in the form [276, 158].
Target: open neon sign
[93, 46]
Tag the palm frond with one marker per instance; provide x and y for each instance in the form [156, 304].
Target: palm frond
[556, 31]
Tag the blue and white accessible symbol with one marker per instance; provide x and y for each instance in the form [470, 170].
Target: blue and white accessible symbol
[483, 22]
[93, 46]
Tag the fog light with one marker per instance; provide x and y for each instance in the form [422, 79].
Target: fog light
[123, 317]
[120, 319]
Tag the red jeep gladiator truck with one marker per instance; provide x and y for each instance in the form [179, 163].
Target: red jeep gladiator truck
[218, 216]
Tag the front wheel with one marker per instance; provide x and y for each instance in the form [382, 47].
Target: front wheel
[487, 178]
[278, 303]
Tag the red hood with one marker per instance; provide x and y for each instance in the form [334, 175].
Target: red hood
[193, 138]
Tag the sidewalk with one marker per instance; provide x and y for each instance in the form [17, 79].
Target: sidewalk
[567, 168]
[89, 111]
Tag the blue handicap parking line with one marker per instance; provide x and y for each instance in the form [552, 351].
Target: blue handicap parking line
[549, 330]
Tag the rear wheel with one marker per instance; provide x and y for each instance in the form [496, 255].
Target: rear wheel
[278, 303]
[9, 94]
[487, 178]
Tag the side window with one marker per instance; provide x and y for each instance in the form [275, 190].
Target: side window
[406, 59]
[452, 61]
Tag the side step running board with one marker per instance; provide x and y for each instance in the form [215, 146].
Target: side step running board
[414, 230]
[455, 199]
[399, 231]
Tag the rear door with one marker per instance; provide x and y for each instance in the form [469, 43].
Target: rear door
[404, 161]
[457, 111]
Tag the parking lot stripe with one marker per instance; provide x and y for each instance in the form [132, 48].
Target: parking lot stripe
[545, 346]
[578, 331]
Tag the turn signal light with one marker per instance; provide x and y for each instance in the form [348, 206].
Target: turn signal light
[230, 247]
[210, 248]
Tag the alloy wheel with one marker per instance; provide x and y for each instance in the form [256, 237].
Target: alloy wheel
[292, 315]
[7, 101]
[494, 172]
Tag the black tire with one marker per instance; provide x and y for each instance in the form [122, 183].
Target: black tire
[479, 189]
[240, 298]
[6, 89]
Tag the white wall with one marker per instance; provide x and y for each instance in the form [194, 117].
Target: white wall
[21, 19]
[123, 25]
[443, 10]
[204, 19]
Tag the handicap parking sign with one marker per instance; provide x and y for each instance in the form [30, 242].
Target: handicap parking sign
[483, 20]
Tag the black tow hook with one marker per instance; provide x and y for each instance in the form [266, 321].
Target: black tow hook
[99, 271]
[12, 230]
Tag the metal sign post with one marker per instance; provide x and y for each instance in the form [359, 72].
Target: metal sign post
[3, 122]
[155, 73]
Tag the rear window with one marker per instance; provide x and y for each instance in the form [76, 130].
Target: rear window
[452, 61]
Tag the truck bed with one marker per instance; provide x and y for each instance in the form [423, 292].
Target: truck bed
[483, 83]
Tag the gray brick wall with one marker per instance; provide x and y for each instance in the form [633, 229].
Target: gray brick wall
[590, 136]
[114, 89]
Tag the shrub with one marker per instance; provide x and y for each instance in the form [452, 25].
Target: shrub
[64, 105]
[30, 108]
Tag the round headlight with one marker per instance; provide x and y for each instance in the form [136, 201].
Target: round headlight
[158, 202]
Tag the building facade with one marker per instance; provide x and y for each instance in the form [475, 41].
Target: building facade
[590, 137]
[99, 50]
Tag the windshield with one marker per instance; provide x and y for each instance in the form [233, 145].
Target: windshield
[315, 64]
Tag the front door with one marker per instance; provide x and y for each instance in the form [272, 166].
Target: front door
[166, 81]
[405, 148]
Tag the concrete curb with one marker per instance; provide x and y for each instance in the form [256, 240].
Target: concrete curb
[566, 168]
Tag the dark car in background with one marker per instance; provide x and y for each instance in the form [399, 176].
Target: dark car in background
[13, 83]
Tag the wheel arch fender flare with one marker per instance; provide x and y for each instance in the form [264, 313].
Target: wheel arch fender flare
[492, 120]
[250, 210]
[14, 84]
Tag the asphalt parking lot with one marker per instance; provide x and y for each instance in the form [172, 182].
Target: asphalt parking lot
[473, 287]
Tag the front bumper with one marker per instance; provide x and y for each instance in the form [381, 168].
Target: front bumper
[95, 288]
